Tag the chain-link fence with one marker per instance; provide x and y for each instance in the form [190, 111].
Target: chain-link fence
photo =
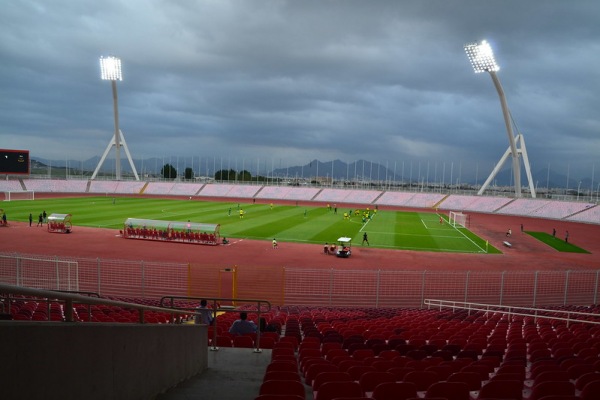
[299, 286]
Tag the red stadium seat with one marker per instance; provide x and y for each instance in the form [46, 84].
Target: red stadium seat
[285, 387]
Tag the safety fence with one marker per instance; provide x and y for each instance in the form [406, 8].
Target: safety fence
[300, 286]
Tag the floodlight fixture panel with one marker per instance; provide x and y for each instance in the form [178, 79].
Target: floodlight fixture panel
[110, 68]
[481, 56]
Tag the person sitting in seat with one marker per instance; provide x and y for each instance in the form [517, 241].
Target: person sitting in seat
[242, 325]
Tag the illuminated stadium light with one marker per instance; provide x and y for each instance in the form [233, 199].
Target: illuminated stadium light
[110, 70]
[482, 60]
[482, 57]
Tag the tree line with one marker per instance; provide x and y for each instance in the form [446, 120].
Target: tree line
[168, 171]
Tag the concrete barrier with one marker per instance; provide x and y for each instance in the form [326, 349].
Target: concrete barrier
[48, 360]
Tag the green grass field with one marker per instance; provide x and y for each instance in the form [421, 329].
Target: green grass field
[556, 243]
[387, 229]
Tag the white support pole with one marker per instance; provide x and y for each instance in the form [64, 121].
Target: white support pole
[509, 131]
[523, 151]
[495, 171]
[117, 130]
[110, 145]
[108, 148]
[137, 178]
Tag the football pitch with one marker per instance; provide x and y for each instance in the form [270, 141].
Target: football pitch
[398, 230]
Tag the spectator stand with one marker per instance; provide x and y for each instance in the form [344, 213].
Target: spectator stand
[172, 231]
[59, 223]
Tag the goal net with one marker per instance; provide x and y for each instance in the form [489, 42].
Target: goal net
[458, 219]
[19, 195]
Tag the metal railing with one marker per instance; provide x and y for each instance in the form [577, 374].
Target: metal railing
[535, 313]
[69, 299]
[262, 306]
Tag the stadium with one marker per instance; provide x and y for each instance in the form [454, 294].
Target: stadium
[234, 285]
[323, 294]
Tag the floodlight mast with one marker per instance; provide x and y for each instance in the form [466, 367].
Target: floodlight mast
[110, 70]
[482, 60]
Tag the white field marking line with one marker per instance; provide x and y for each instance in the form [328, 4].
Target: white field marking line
[427, 249]
[364, 225]
[465, 236]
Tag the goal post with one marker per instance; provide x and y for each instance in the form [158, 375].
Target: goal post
[456, 218]
[12, 195]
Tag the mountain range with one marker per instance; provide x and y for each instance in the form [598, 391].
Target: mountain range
[360, 170]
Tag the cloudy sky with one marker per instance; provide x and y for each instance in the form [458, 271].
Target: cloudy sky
[292, 81]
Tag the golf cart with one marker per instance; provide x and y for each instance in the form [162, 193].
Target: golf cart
[344, 248]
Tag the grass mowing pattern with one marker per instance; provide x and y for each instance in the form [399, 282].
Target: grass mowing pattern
[316, 225]
[556, 243]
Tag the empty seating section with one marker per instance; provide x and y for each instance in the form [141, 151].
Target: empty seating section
[40, 310]
[332, 195]
[428, 200]
[11, 185]
[395, 198]
[348, 196]
[473, 203]
[287, 193]
[159, 187]
[116, 187]
[378, 352]
[543, 208]
[386, 354]
[185, 189]
[591, 214]
[539, 208]
[523, 207]
[243, 191]
[215, 190]
[224, 190]
[560, 209]
[103, 186]
[130, 187]
[56, 185]
[362, 196]
[408, 199]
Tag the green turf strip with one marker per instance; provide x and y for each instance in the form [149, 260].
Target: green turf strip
[556, 243]
[286, 223]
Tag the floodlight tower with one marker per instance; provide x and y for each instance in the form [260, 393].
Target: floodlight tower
[482, 60]
[110, 70]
